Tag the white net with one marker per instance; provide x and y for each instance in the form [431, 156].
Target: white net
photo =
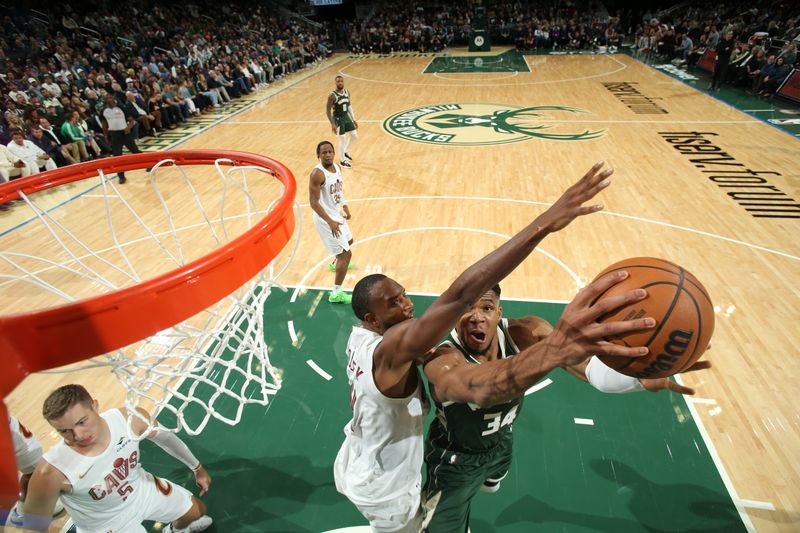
[97, 236]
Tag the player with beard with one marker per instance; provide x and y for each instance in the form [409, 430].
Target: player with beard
[478, 378]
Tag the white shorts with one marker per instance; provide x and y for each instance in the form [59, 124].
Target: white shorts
[161, 500]
[334, 245]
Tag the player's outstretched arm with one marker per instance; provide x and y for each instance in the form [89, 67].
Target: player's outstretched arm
[411, 338]
[44, 488]
[577, 336]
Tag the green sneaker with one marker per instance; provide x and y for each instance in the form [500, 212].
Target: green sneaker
[332, 266]
[340, 297]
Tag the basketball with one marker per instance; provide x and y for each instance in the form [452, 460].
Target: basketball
[681, 307]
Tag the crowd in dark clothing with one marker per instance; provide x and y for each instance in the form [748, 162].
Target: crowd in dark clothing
[162, 64]
[528, 25]
[754, 46]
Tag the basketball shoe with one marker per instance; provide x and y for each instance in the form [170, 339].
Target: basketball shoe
[345, 163]
[332, 266]
[347, 156]
[339, 297]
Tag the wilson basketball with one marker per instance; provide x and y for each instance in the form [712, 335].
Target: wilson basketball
[681, 307]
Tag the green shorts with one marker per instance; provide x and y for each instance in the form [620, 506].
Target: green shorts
[343, 125]
[455, 477]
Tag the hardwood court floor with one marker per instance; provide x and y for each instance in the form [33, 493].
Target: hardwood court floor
[697, 182]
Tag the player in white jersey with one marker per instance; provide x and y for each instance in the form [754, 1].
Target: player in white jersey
[97, 471]
[331, 214]
[379, 464]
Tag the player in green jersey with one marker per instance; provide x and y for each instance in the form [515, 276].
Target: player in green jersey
[478, 378]
[343, 121]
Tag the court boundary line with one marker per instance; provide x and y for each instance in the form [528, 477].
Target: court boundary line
[428, 64]
[715, 457]
[651, 67]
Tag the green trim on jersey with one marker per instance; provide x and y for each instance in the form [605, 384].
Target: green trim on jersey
[463, 427]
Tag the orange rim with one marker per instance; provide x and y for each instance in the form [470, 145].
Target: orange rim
[64, 334]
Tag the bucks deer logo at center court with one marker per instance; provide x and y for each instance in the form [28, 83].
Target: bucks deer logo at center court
[476, 124]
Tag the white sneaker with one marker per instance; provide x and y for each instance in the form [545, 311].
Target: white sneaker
[201, 524]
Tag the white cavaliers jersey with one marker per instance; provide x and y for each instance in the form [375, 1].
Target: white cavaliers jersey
[330, 193]
[105, 488]
[27, 450]
[381, 458]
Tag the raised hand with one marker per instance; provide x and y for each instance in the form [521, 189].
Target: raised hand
[570, 205]
[578, 335]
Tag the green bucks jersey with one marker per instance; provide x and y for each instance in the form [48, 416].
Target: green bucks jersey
[341, 108]
[466, 427]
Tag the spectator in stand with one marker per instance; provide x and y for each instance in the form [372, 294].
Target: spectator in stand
[32, 155]
[19, 97]
[96, 144]
[13, 110]
[130, 86]
[258, 73]
[767, 69]
[684, 48]
[11, 166]
[214, 84]
[197, 102]
[69, 150]
[93, 125]
[724, 49]
[774, 80]
[203, 90]
[71, 132]
[135, 107]
[179, 109]
[118, 93]
[48, 146]
[788, 53]
[34, 88]
[32, 117]
[737, 70]
[233, 89]
[713, 36]
[753, 67]
[49, 100]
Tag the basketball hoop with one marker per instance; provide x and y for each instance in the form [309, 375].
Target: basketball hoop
[163, 279]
